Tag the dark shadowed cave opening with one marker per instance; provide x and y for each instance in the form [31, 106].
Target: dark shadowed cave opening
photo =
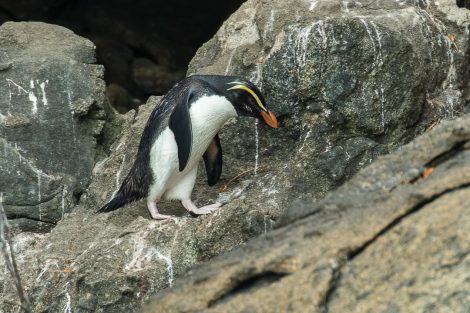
[145, 46]
[463, 3]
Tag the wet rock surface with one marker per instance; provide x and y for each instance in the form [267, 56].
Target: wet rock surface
[351, 80]
[331, 71]
[114, 262]
[51, 111]
[392, 239]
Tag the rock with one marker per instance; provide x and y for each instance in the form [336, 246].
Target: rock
[167, 33]
[50, 114]
[392, 239]
[351, 80]
[330, 107]
[116, 261]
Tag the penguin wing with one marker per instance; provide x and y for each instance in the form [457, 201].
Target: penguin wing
[180, 124]
[213, 161]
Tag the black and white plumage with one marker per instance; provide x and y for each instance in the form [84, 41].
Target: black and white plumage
[180, 131]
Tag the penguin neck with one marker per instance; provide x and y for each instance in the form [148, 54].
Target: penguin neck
[210, 113]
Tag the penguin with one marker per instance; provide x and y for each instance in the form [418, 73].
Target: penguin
[182, 129]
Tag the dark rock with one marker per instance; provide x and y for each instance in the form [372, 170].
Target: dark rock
[167, 33]
[123, 257]
[383, 242]
[50, 114]
[350, 80]
[331, 122]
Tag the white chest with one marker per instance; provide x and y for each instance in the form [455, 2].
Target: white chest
[208, 115]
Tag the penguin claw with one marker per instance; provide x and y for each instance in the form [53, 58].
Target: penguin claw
[164, 217]
[193, 209]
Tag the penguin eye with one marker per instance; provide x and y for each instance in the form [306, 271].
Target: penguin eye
[247, 103]
[247, 107]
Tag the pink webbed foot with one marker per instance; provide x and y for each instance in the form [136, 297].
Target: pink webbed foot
[152, 207]
[192, 208]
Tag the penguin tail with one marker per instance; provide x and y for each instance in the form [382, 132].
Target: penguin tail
[125, 194]
[115, 203]
[133, 188]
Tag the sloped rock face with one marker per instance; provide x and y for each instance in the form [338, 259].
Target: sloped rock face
[331, 127]
[114, 262]
[351, 80]
[51, 110]
[393, 239]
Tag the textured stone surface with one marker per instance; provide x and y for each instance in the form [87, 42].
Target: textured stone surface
[393, 239]
[145, 46]
[50, 113]
[351, 80]
[328, 68]
[114, 262]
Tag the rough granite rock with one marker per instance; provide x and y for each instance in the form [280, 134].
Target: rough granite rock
[351, 80]
[343, 65]
[393, 239]
[114, 262]
[51, 110]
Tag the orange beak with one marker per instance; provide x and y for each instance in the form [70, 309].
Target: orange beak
[270, 119]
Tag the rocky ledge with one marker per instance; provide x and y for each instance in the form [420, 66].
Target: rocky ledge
[393, 239]
[350, 80]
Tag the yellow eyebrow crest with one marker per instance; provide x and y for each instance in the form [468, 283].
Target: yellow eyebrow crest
[241, 86]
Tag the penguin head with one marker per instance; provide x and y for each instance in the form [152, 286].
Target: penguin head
[247, 100]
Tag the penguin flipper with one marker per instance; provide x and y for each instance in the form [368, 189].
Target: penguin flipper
[213, 161]
[180, 124]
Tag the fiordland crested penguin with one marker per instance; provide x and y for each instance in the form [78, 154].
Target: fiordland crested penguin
[180, 131]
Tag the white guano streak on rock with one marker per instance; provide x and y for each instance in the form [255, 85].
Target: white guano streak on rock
[268, 27]
[229, 63]
[21, 90]
[169, 265]
[380, 95]
[300, 37]
[38, 174]
[143, 254]
[70, 104]
[309, 133]
[313, 4]
[228, 196]
[375, 37]
[64, 196]
[300, 43]
[257, 79]
[256, 147]
[68, 303]
[43, 90]
[49, 262]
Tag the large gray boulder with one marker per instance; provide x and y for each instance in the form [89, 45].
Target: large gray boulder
[351, 80]
[114, 262]
[393, 239]
[331, 127]
[51, 111]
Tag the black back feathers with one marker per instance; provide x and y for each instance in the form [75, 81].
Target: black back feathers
[180, 124]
